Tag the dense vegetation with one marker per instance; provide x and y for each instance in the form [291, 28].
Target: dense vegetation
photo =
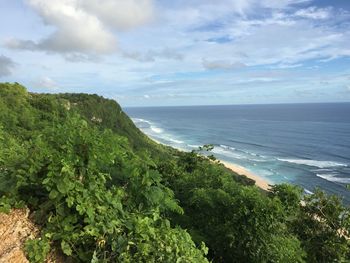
[101, 191]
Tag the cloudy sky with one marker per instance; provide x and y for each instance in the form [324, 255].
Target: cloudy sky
[180, 52]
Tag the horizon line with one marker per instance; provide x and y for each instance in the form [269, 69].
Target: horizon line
[246, 104]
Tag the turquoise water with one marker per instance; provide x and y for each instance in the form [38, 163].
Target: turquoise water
[304, 144]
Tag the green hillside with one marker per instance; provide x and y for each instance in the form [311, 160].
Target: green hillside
[105, 114]
[102, 191]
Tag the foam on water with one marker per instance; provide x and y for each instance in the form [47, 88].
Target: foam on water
[154, 131]
[229, 150]
[227, 147]
[226, 152]
[175, 140]
[333, 178]
[195, 146]
[324, 168]
[266, 173]
[314, 163]
[280, 142]
[308, 191]
[138, 120]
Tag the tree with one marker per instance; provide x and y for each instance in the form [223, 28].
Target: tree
[323, 226]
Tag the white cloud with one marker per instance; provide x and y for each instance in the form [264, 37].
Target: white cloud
[286, 66]
[267, 33]
[6, 66]
[222, 64]
[246, 6]
[278, 4]
[314, 13]
[242, 7]
[47, 83]
[265, 41]
[85, 26]
[152, 55]
[120, 14]
[186, 46]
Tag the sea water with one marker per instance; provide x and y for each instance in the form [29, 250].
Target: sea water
[303, 144]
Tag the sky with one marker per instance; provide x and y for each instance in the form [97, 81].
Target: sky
[180, 52]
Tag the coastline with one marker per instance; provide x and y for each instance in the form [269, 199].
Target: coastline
[259, 182]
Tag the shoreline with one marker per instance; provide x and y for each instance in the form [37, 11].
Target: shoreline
[259, 181]
[240, 170]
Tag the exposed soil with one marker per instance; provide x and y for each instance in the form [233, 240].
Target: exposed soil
[15, 229]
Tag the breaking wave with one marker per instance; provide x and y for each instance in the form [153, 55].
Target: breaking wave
[154, 131]
[314, 163]
[333, 178]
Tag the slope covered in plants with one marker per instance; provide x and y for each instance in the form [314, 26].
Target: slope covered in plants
[101, 191]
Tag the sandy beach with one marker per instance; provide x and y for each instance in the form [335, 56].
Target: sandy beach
[260, 182]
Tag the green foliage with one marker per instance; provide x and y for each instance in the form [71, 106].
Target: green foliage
[320, 222]
[244, 224]
[92, 195]
[238, 223]
[290, 196]
[155, 241]
[107, 114]
[101, 191]
[285, 249]
[37, 250]
[14, 109]
[324, 223]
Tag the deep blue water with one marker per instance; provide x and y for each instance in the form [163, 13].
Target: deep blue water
[304, 144]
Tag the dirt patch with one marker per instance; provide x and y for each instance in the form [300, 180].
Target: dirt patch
[15, 229]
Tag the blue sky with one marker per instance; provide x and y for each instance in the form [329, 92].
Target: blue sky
[181, 52]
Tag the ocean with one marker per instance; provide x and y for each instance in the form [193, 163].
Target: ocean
[303, 144]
